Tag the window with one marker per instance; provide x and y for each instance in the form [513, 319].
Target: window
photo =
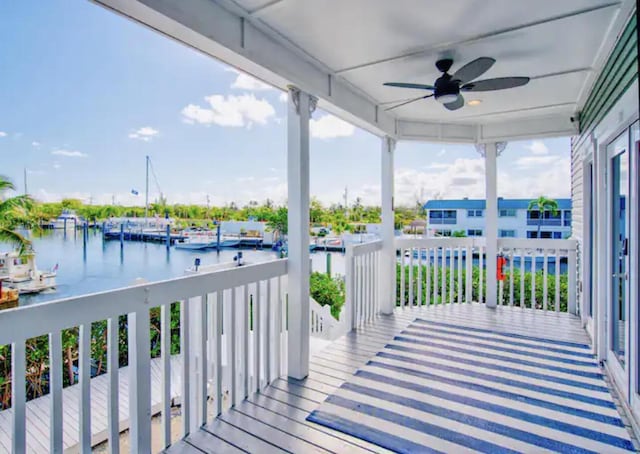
[547, 235]
[475, 213]
[507, 213]
[507, 233]
[567, 218]
[443, 232]
[474, 232]
[442, 217]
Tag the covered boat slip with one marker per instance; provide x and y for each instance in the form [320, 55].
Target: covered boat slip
[446, 378]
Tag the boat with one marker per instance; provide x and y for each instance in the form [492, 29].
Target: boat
[20, 272]
[196, 238]
[68, 219]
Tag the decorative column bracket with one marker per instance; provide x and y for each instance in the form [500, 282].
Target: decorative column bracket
[295, 95]
[482, 147]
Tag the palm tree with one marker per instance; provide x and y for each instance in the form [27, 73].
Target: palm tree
[15, 212]
[542, 204]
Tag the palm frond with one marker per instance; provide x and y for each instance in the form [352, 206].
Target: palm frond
[22, 243]
[5, 184]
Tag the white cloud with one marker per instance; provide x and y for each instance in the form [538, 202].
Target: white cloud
[146, 134]
[3, 134]
[533, 161]
[233, 111]
[537, 147]
[284, 97]
[246, 82]
[69, 153]
[441, 152]
[35, 144]
[56, 165]
[330, 127]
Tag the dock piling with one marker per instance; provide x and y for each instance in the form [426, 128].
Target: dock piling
[121, 236]
[168, 240]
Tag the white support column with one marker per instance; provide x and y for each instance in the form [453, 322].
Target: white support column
[301, 106]
[388, 254]
[491, 152]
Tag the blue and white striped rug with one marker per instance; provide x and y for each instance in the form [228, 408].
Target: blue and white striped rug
[439, 387]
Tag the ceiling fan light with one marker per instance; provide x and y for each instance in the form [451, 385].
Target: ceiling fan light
[447, 98]
[475, 102]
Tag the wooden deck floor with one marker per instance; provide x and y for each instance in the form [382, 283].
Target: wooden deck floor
[276, 420]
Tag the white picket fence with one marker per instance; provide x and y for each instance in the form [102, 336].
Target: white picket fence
[323, 324]
[244, 305]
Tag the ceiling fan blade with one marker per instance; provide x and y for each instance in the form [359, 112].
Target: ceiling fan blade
[408, 102]
[473, 69]
[455, 105]
[408, 85]
[499, 83]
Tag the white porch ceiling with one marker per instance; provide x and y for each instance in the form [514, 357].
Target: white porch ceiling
[343, 50]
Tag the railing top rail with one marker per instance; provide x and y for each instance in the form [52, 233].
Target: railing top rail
[26, 322]
[364, 248]
[537, 243]
[440, 242]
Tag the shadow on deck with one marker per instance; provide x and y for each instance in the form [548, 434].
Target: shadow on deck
[439, 379]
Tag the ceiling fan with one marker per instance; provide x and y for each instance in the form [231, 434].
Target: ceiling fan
[448, 87]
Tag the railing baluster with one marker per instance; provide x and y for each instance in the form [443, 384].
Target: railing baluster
[233, 340]
[571, 281]
[18, 397]
[278, 330]
[511, 277]
[443, 283]
[84, 375]
[219, 315]
[139, 381]
[469, 275]
[268, 332]
[204, 393]
[165, 352]
[402, 301]
[452, 267]
[419, 302]
[367, 287]
[185, 344]
[459, 274]
[257, 333]
[481, 274]
[55, 392]
[410, 303]
[436, 281]
[245, 341]
[533, 279]
[545, 276]
[522, 286]
[427, 272]
[557, 277]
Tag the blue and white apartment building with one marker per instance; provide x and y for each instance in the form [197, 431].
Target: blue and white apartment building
[514, 219]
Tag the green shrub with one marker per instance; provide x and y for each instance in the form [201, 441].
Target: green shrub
[328, 291]
[537, 299]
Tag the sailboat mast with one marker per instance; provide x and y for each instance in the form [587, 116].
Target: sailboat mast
[26, 192]
[146, 196]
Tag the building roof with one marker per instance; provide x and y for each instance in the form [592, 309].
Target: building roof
[480, 204]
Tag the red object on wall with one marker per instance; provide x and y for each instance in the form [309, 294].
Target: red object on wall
[500, 271]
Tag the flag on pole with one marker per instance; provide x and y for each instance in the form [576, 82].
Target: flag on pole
[134, 192]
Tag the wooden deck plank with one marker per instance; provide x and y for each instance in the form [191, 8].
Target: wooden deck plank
[299, 416]
[240, 438]
[182, 446]
[209, 443]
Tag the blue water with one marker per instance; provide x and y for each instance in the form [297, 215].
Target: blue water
[103, 265]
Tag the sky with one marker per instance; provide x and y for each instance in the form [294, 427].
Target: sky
[86, 94]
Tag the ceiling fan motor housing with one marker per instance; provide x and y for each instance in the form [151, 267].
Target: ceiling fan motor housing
[446, 89]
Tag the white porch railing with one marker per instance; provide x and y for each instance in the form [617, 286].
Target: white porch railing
[232, 342]
[543, 290]
[538, 274]
[362, 276]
